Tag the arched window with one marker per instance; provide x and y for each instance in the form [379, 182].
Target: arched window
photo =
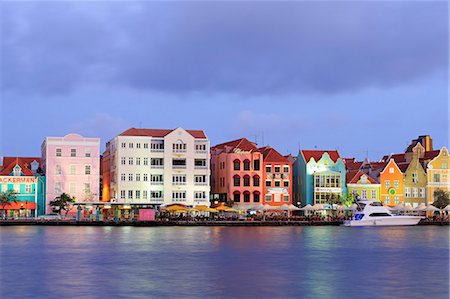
[246, 196]
[246, 164]
[256, 180]
[237, 196]
[246, 180]
[236, 180]
[237, 164]
[256, 196]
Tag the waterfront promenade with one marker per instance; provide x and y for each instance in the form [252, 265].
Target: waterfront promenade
[175, 222]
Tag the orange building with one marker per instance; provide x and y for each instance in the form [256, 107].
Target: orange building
[391, 181]
[277, 177]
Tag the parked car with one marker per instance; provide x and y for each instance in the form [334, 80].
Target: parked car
[50, 217]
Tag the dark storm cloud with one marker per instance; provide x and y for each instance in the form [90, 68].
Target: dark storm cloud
[247, 48]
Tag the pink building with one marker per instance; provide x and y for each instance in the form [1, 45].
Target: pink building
[236, 172]
[71, 165]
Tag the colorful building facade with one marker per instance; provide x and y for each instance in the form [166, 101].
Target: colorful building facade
[438, 176]
[237, 172]
[72, 166]
[318, 174]
[24, 177]
[277, 177]
[391, 183]
[363, 186]
[415, 178]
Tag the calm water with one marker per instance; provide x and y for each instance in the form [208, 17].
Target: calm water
[224, 262]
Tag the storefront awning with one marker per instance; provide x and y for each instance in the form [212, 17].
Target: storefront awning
[20, 205]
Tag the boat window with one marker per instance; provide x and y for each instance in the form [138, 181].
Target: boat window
[376, 204]
[360, 206]
[379, 214]
[359, 216]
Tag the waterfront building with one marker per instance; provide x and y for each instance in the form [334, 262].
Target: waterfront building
[318, 174]
[24, 176]
[71, 165]
[392, 185]
[236, 172]
[277, 177]
[362, 185]
[415, 178]
[152, 167]
[438, 176]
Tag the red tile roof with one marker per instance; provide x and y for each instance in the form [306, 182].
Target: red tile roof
[398, 158]
[242, 144]
[160, 132]
[25, 160]
[271, 155]
[349, 175]
[430, 155]
[317, 154]
[8, 168]
[357, 177]
[403, 166]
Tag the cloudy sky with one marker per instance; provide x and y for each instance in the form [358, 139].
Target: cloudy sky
[356, 76]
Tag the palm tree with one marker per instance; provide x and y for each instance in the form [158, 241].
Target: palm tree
[6, 198]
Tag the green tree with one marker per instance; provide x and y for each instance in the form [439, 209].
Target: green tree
[349, 199]
[441, 199]
[333, 198]
[62, 203]
[7, 198]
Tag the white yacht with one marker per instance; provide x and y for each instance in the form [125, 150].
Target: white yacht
[373, 213]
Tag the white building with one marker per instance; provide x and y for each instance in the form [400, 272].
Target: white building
[155, 166]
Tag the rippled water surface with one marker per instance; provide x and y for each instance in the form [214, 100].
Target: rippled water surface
[224, 262]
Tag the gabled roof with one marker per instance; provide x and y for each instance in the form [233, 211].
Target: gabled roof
[358, 176]
[8, 168]
[403, 166]
[271, 155]
[352, 164]
[25, 160]
[398, 158]
[317, 154]
[242, 144]
[430, 155]
[349, 175]
[160, 133]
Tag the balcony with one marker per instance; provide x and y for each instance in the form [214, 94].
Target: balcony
[201, 152]
[179, 151]
[200, 167]
[201, 184]
[156, 183]
[157, 199]
[178, 183]
[156, 166]
[157, 150]
[178, 166]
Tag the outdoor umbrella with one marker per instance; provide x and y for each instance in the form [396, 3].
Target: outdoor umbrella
[225, 209]
[317, 207]
[308, 208]
[447, 208]
[293, 208]
[174, 208]
[284, 207]
[205, 209]
[432, 208]
[340, 208]
[421, 207]
[269, 208]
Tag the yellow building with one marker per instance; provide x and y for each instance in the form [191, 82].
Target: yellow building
[438, 174]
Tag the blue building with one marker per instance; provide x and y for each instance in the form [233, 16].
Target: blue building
[23, 175]
[317, 175]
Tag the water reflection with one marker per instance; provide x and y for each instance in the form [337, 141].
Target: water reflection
[224, 262]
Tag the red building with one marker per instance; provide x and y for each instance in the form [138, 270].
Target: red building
[277, 174]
